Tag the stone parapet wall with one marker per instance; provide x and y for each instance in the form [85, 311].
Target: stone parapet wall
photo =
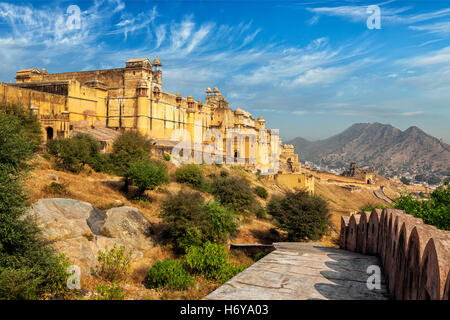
[415, 256]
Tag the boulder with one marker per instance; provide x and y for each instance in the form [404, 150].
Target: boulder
[129, 225]
[62, 219]
[79, 230]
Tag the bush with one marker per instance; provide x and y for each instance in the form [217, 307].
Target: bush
[146, 175]
[224, 173]
[72, 154]
[261, 212]
[114, 263]
[29, 267]
[261, 192]
[129, 147]
[260, 255]
[235, 194]
[190, 221]
[185, 218]
[211, 261]
[302, 215]
[371, 206]
[405, 181]
[434, 211]
[191, 174]
[110, 291]
[222, 222]
[56, 188]
[170, 274]
[102, 163]
[166, 156]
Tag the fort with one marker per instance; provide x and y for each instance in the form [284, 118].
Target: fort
[367, 175]
[106, 102]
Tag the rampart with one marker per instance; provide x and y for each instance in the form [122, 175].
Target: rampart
[415, 256]
[335, 179]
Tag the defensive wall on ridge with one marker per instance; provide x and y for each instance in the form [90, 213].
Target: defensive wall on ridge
[332, 178]
[415, 256]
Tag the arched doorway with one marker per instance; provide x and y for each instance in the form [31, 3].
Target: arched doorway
[49, 131]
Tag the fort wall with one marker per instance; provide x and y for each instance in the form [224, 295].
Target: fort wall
[296, 181]
[415, 256]
[332, 178]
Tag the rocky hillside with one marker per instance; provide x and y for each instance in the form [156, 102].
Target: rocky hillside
[388, 149]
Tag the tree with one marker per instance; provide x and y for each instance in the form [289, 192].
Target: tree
[129, 147]
[28, 265]
[190, 221]
[434, 211]
[302, 215]
[405, 180]
[235, 194]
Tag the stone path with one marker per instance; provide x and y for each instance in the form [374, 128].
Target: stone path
[381, 195]
[299, 271]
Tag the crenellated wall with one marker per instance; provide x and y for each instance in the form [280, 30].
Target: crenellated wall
[415, 256]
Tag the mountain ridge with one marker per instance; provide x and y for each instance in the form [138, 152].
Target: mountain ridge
[383, 146]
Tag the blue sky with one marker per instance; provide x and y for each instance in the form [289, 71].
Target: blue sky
[311, 68]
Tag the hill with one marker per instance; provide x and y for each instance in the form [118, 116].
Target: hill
[388, 149]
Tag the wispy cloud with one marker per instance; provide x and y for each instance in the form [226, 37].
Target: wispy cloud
[437, 27]
[439, 57]
[390, 15]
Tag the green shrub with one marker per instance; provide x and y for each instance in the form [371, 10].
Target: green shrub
[185, 218]
[260, 255]
[16, 149]
[261, 212]
[129, 147]
[224, 173]
[110, 291]
[56, 188]
[222, 222]
[405, 181]
[170, 274]
[166, 156]
[434, 211]
[371, 206]
[102, 163]
[192, 237]
[211, 261]
[72, 154]
[261, 192]
[235, 194]
[190, 221]
[146, 175]
[114, 263]
[191, 174]
[302, 215]
[18, 284]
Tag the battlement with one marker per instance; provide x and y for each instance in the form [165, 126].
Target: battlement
[415, 256]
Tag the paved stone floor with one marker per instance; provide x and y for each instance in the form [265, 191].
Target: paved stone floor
[300, 271]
